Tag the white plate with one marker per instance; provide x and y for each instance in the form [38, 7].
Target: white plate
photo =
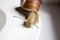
[13, 30]
[2, 19]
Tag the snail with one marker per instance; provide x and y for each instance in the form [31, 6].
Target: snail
[30, 10]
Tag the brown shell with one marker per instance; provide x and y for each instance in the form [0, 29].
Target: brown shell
[32, 5]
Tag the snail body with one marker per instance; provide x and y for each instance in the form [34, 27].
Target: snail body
[32, 19]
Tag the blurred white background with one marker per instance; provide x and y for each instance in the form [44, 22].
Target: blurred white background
[50, 20]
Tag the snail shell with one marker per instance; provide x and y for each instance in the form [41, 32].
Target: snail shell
[31, 5]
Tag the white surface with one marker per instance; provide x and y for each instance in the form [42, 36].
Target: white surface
[13, 29]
